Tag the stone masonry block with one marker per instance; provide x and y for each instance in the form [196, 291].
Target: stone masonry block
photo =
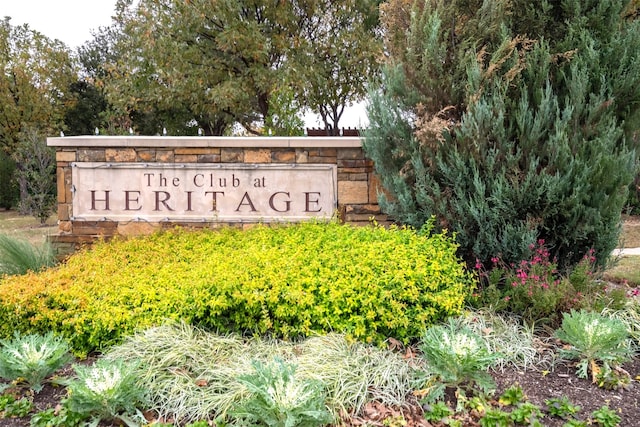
[375, 187]
[356, 192]
[318, 159]
[353, 171]
[257, 155]
[370, 209]
[197, 151]
[209, 158]
[284, 156]
[350, 154]
[146, 155]
[323, 152]
[137, 228]
[91, 155]
[232, 155]
[65, 156]
[358, 176]
[358, 163]
[302, 156]
[165, 156]
[186, 158]
[60, 185]
[120, 155]
[64, 226]
[64, 210]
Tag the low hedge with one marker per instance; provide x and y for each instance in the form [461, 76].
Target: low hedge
[368, 282]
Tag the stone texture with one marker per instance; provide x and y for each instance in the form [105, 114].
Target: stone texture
[257, 156]
[370, 209]
[186, 158]
[190, 150]
[91, 156]
[94, 228]
[65, 156]
[284, 156]
[358, 163]
[350, 154]
[165, 156]
[61, 186]
[353, 170]
[120, 155]
[321, 159]
[353, 192]
[302, 156]
[146, 155]
[232, 155]
[209, 158]
[64, 211]
[67, 183]
[358, 176]
[137, 228]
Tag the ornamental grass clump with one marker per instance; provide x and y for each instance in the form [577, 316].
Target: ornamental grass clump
[32, 358]
[107, 391]
[599, 343]
[279, 398]
[507, 336]
[18, 256]
[192, 375]
[456, 358]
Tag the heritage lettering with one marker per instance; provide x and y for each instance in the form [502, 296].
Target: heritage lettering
[197, 192]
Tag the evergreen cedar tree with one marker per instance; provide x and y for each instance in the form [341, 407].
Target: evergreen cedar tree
[510, 122]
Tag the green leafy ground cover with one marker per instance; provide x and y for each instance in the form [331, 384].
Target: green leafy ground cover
[370, 283]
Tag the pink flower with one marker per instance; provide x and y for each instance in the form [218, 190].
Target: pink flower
[478, 264]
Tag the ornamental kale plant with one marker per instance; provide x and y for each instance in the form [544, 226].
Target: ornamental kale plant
[107, 390]
[596, 341]
[32, 358]
[457, 357]
[279, 399]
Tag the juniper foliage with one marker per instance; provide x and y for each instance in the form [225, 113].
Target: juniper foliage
[509, 122]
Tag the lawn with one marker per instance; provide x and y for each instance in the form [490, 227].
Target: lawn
[26, 227]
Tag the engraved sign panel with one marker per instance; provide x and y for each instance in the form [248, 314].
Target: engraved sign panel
[202, 191]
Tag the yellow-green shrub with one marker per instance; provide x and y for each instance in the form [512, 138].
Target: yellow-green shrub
[368, 282]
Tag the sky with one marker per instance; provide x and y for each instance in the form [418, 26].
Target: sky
[72, 21]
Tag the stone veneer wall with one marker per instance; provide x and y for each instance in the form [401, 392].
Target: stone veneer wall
[357, 184]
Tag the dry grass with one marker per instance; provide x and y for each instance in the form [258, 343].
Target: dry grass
[26, 227]
[625, 270]
[631, 233]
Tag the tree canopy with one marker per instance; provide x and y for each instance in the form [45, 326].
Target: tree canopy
[227, 62]
[35, 74]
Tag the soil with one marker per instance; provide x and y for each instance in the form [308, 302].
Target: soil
[537, 385]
